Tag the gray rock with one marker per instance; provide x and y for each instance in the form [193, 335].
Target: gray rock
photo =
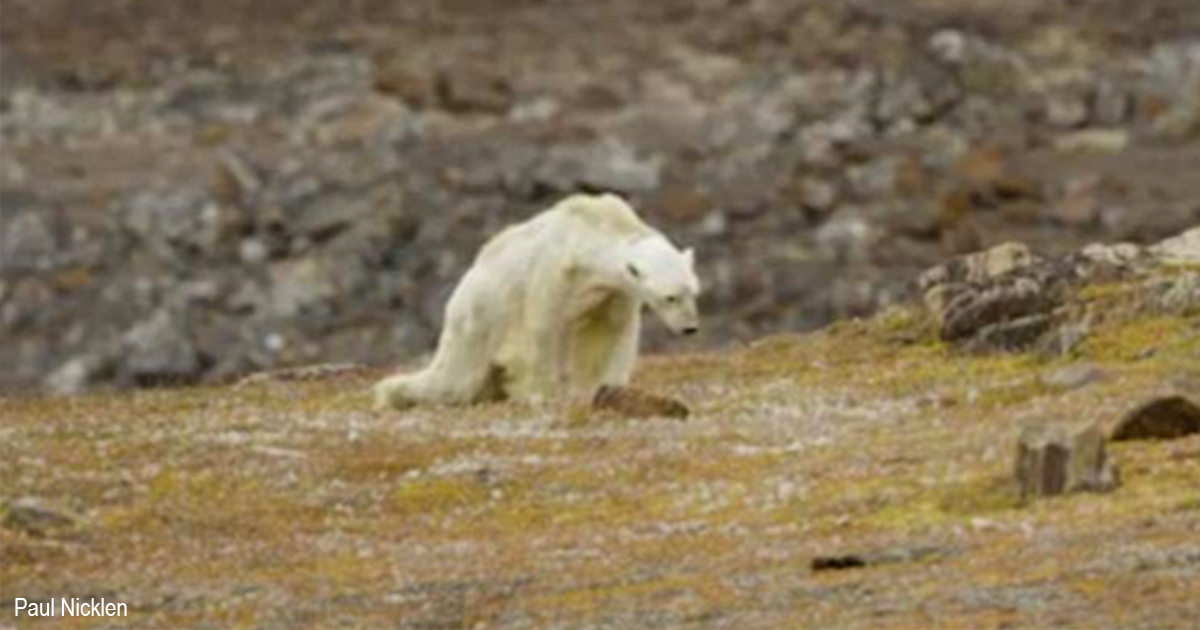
[1111, 105]
[818, 195]
[1054, 459]
[1067, 110]
[1075, 376]
[313, 284]
[1164, 418]
[159, 349]
[27, 243]
[175, 221]
[236, 179]
[36, 516]
[997, 298]
[1173, 71]
[80, 373]
[603, 166]
[1102, 141]
[847, 235]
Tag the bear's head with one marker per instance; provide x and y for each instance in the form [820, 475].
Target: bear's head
[664, 278]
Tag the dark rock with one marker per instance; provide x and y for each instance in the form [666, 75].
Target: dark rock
[468, 89]
[632, 403]
[1163, 418]
[837, 563]
[880, 557]
[1054, 459]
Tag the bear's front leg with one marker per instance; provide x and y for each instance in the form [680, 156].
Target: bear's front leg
[549, 358]
[622, 356]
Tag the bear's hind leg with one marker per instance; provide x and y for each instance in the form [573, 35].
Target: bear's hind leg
[461, 373]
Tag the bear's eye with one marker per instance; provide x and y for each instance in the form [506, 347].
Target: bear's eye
[633, 271]
[671, 299]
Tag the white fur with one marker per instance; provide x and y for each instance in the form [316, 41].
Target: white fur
[552, 306]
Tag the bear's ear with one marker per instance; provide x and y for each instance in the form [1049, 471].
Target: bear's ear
[689, 255]
[633, 271]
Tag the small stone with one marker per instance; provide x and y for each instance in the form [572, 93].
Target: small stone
[1107, 141]
[1054, 459]
[1075, 376]
[471, 89]
[1067, 111]
[27, 243]
[1079, 207]
[633, 403]
[1164, 418]
[235, 180]
[818, 195]
[1111, 105]
[35, 516]
[252, 251]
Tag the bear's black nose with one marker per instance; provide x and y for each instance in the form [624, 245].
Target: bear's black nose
[690, 330]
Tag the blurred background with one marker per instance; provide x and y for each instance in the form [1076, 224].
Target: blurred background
[191, 191]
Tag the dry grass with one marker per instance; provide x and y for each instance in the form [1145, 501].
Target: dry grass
[291, 504]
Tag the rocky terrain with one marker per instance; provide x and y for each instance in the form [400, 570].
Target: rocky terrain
[195, 191]
[865, 475]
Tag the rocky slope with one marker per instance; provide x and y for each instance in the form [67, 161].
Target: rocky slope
[857, 476]
[196, 192]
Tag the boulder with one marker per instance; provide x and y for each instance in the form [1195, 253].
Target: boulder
[1181, 249]
[1054, 459]
[159, 349]
[1163, 418]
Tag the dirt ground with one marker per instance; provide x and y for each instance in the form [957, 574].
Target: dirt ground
[286, 504]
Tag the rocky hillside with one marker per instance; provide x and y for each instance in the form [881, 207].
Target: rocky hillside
[859, 476]
[200, 190]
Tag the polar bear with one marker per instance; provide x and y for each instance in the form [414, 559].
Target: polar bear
[553, 307]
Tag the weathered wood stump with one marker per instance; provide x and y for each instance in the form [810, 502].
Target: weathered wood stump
[1054, 459]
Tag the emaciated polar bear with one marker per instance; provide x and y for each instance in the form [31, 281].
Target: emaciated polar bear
[553, 306]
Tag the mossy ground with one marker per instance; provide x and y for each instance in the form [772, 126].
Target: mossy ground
[292, 505]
